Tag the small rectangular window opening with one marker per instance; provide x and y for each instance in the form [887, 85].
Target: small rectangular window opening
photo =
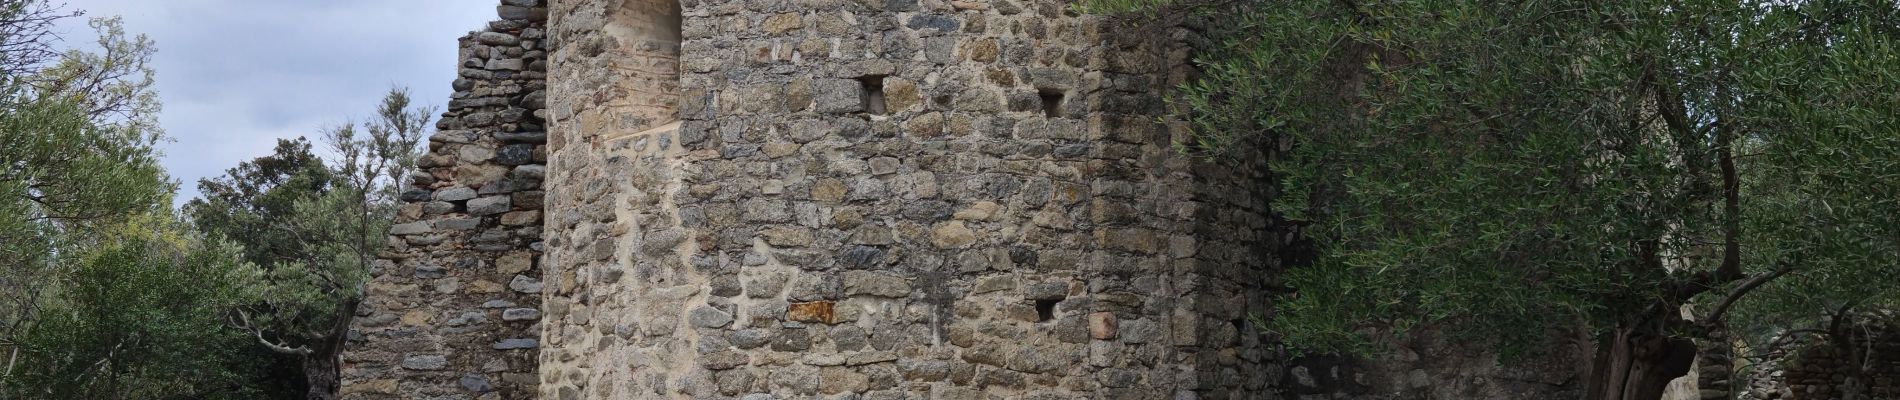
[1046, 310]
[1051, 102]
[873, 95]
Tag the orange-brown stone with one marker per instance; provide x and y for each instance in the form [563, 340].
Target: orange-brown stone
[823, 312]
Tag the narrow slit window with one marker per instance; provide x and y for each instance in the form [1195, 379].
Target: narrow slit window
[1046, 310]
[1052, 102]
[873, 96]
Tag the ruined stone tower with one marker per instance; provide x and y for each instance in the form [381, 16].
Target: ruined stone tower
[766, 199]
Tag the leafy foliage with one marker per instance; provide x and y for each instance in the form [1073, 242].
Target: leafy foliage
[1507, 167]
[106, 294]
[313, 227]
[64, 171]
[139, 316]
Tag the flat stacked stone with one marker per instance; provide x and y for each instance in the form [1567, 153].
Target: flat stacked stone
[453, 307]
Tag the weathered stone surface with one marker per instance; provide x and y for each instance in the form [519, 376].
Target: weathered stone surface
[838, 96]
[875, 284]
[458, 224]
[823, 312]
[516, 344]
[1046, 291]
[476, 383]
[520, 314]
[953, 234]
[525, 284]
[515, 154]
[489, 205]
[708, 317]
[1102, 326]
[425, 362]
[411, 228]
[458, 193]
[497, 39]
[819, 200]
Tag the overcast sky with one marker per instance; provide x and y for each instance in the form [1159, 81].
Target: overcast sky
[236, 75]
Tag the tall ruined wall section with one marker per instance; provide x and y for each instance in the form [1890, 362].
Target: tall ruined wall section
[888, 199]
[452, 310]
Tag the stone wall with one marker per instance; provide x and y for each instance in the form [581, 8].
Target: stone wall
[453, 307]
[891, 199]
[1866, 367]
[1427, 364]
[759, 199]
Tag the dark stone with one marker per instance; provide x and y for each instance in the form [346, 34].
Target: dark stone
[514, 344]
[523, 137]
[1072, 150]
[476, 383]
[1022, 255]
[900, 5]
[416, 195]
[515, 154]
[928, 211]
[929, 21]
[861, 256]
[430, 272]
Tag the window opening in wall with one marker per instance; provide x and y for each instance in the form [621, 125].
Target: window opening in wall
[873, 94]
[1052, 102]
[1046, 310]
[672, 26]
[645, 37]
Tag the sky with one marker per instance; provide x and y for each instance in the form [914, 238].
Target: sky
[236, 75]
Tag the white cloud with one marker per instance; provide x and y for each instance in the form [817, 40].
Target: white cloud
[236, 75]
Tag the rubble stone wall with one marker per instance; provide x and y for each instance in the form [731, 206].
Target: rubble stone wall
[892, 199]
[452, 309]
[1866, 367]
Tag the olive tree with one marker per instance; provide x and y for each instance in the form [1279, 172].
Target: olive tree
[1503, 169]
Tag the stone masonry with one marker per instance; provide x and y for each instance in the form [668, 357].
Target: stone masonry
[1862, 364]
[845, 199]
[765, 199]
[878, 199]
[453, 307]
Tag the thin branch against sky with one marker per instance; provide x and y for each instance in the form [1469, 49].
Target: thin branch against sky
[237, 75]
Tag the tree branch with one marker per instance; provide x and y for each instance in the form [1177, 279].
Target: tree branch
[1722, 308]
[279, 348]
[1731, 204]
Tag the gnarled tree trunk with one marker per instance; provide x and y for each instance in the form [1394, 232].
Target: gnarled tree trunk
[321, 371]
[1637, 363]
[323, 367]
